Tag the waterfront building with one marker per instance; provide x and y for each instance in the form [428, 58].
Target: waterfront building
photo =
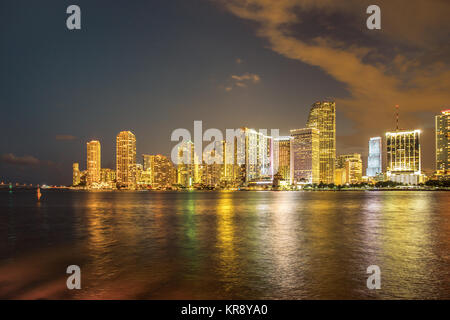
[107, 177]
[188, 165]
[340, 176]
[403, 154]
[374, 160]
[253, 155]
[282, 157]
[126, 160]
[323, 118]
[443, 143]
[352, 166]
[76, 174]
[93, 164]
[305, 156]
[158, 172]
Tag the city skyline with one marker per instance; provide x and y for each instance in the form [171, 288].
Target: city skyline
[163, 71]
[251, 158]
[126, 150]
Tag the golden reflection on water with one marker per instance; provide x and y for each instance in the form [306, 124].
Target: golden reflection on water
[225, 238]
[254, 245]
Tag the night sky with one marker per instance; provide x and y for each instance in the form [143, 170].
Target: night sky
[153, 66]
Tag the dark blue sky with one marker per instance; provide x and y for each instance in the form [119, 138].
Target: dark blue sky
[145, 66]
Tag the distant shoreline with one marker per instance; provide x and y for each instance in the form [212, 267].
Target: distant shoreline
[19, 189]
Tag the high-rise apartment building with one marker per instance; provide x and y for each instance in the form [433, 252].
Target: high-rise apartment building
[374, 160]
[126, 160]
[93, 165]
[159, 171]
[323, 118]
[76, 174]
[305, 156]
[443, 143]
[253, 155]
[403, 156]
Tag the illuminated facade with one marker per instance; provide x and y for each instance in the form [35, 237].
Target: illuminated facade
[374, 160]
[282, 157]
[443, 143]
[76, 174]
[158, 171]
[93, 164]
[213, 168]
[108, 177]
[253, 155]
[323, 118]
[305, 156]
[126, 160]
[403, 156]
[188, 167]
[351, 164]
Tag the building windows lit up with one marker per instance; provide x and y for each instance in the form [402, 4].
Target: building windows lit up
[93, 162]
[126, 160]
[403, 156]
[323, 118]
[374, 160]
[443, 143]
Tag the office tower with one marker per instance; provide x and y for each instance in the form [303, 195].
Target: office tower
[76, 174]
[93, 162]
[253, 154]
[443, 143]
[159, 171]
[282, 157]
[305, 156]
[126, 160]
[352, 166]
[188, 167]
[323, 118]
[374, 160]
[403, 156]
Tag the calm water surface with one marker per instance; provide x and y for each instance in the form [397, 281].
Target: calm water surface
[225, 245]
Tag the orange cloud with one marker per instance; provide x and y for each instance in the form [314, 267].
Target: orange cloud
[417, 78]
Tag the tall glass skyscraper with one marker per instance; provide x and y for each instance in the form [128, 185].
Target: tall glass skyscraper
[126, 160]
[374, 160]
[443, 143]
[323, 118]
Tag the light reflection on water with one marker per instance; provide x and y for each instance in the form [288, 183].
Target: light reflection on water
[225, 245]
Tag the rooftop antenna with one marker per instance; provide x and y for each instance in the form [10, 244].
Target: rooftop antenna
[396, 111]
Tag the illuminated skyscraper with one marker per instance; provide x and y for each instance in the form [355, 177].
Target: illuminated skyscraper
[76, 174]
[305, 156]
[126, 160]
[93, 162]
[374, 160]
[443, 143]
[188, 165]
[323, 118]
[403, 156]
[253, 154]
[282, 157]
